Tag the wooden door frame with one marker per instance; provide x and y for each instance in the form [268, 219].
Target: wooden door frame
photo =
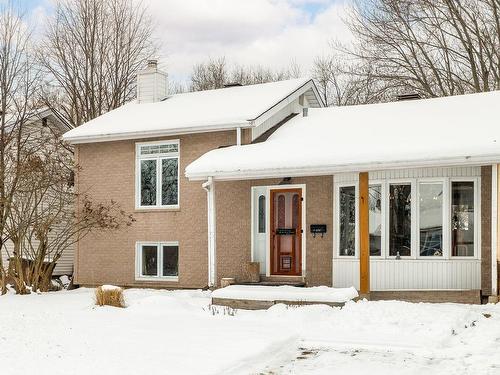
[272, 192]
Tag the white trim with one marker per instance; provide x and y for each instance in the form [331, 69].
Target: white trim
[311, 171]
[494, 228]
[337, 222]
[415, 216]
[444, 222]
[138, 260]
[158, 157]
[268, 226]
[158, 133]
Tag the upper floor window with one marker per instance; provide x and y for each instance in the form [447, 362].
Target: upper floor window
[157, 174]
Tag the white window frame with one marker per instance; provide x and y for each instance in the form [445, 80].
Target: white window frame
[413, 224]
[446, 222]
[383, 188]
[415, 219]
[477, 216]
[138, 261]
[158, 158]
[356, 220]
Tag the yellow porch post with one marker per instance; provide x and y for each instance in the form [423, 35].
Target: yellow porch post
[364, 237]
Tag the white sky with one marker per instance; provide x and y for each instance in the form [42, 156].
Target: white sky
[248, 32]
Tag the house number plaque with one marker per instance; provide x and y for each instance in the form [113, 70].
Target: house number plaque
[285, 231]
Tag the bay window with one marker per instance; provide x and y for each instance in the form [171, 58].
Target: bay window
[416, 218]
[157, 177]
[157, 260]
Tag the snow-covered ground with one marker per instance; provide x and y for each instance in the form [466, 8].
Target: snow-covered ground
[178, 333]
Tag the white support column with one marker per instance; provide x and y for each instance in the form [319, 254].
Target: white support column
[238, 136]
[210, 189]
[494, 228]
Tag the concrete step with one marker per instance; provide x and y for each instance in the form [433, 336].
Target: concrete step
[276, 283]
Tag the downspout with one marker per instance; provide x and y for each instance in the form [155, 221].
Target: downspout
[238, 136]
[209, 187]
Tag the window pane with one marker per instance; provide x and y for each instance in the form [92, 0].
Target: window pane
[169, 182]
[262, 214]
[431, 219]
[149, 260]
[400, 219]
[170, 260]
[347, 220]
[159, 149]
[462, 218]
[375, 219]
[148, 182]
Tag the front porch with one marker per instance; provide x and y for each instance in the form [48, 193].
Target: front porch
[257, 297]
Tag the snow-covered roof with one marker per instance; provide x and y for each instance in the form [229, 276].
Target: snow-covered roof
[211, 110]
[440, 131]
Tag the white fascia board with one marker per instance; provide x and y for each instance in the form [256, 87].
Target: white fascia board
[284, 102]
[334, 169]
[155, 134]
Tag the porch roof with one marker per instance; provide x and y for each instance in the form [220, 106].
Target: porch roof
[448, 131]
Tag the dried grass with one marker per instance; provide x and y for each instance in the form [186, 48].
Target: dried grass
[109, 297]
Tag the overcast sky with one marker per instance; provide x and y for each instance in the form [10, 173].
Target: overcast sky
[248, 32]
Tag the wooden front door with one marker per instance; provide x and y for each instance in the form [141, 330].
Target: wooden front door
[286, 232]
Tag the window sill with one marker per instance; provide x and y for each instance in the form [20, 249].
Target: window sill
[158, 279]
[158, 209]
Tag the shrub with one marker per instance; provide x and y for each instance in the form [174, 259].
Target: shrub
[109, 295]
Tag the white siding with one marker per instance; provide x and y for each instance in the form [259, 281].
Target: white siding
[412, 173]
[306, 100]
[412, 274]
[64, 264]
[415, 273]
[151, 86]
[293, 107]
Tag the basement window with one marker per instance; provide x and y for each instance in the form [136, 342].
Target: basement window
[157, 174]
[157, 261]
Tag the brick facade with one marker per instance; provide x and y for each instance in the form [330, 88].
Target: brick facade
[108, 172]
[486, 230]
[233, 202]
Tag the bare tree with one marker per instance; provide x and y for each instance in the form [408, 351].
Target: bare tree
[343, 82]
[43, 221]
[215, 73]
[433, 47]
[93, 49]
[35, 170]
[19, 81]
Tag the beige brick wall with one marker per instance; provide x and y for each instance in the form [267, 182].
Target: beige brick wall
[108, 172]
[233, 202]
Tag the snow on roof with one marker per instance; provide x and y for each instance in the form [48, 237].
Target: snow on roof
[440, 131]
[219, 109]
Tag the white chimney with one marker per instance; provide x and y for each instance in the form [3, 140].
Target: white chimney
[151, 84]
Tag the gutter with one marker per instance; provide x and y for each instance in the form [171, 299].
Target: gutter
[346, 168]
[156, 133]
